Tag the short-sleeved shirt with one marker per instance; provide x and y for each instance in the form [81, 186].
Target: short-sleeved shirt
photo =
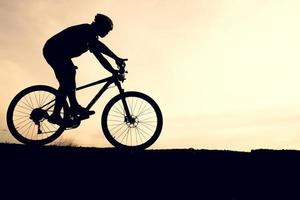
[71, 42]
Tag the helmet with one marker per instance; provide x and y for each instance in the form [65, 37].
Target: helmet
[103, 21]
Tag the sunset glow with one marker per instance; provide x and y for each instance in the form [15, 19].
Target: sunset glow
[225, 73]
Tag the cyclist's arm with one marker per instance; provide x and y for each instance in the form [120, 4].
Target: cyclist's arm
[104, 62]
[98, 47]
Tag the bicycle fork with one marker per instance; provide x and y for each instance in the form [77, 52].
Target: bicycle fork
[128, 116]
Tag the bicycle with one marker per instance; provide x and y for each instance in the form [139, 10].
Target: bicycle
[130, 120]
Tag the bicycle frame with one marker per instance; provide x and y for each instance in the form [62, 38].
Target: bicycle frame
[109, 81]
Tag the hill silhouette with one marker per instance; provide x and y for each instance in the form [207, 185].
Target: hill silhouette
[153, 174]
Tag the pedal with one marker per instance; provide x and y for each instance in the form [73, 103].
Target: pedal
[83, 117]
[91, 112]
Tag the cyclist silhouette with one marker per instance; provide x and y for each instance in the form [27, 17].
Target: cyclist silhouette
[72, 42]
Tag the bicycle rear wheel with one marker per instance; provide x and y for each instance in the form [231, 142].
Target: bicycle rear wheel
[27, 116]
[143, 129]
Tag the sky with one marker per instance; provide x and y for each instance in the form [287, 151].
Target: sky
[224, 72]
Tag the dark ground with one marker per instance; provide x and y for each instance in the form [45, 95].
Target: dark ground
[67, 172]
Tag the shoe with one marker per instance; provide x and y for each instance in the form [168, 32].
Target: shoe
[55, 119]
[82, 111]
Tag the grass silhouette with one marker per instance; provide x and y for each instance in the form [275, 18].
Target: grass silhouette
[187, 173]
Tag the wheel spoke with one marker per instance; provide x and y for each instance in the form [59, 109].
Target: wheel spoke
[122, 110]
[115, 133]
[148, 118]
[138, 112]
[118, 112]
[20, 122]
[142, 133]
[29, 109]
[26, 105]
[117, 116]
[122, 133]
[134, 106]
[146, 127]
[19, 118]
[29, 102]
[147, 124]
[27, 114]
[36, 99]
[46, 99]
[139, 134]
[143, 114]
[17, 127]
[130, 106]
[115, 120]
[142, 110]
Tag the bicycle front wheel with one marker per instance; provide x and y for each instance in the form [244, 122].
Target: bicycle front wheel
[141, 131]
[27, 116]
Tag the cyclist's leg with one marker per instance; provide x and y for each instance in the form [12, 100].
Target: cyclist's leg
[66, 78]
[60, 98]
[70, 89]
[61, 68]
[57, 65]
[65, 72]
[70, 83]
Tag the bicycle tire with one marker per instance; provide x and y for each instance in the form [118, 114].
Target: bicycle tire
[12, 109]
[145, 100]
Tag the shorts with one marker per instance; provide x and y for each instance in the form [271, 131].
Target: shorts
[63, 68]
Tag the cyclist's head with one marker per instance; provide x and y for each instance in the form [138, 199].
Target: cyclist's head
[102, 24]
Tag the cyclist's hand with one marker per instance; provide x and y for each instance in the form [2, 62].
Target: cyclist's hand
[119, 75]
[115, 72]
[121, 62]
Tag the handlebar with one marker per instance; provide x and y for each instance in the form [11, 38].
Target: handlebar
[122, 70]
[121, 73]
